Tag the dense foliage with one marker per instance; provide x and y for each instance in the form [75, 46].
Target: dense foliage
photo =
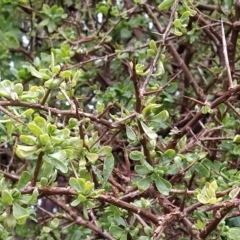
[119, 119]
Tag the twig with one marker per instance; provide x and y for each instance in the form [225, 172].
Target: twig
[225, 53]
[2, 109]
[80, 221]
[37, 169]
[173, 10]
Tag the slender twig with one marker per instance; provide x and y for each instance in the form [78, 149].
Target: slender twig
[80, 221]
[225, 53]
[37, 169]
[166, 32]
[2, 109]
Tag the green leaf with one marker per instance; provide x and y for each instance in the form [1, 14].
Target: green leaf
[44, 22]
[141, 170]
[116, 231]
[12, 41]
[46, 229]
[7, 198]
[202, 199]
[25, 151]
[150, 108]
[136, 155]
[168, 155]
[146, 164]
[18, 88]
[58, 159]
[27, 139]
[81, 198]
[43, 182]
[36, 73]
[130, 133]
[20, 214]
[36, 130]
[66, 74]
[148, 131]
[151, 53]
[165, 5]
[46, 9]
[202, 170]
[104, 151]
[74, 183]
[163, 186]
[233, 233]
[54, 223]
[41, 122]
[164, 115]
[92, 157]
[75, 203]
[107, 167]
[144, 183]
[88, 187]
[9, 223]
[24, 180]
[6, 87]
[53, 83]
[153, 46]
[237, 138]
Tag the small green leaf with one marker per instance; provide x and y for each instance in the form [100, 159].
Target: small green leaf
[56, 69]
[177, 23]
[148, 131]
[164, 115]
[151, 53]
[9, 223]
[150, 108]
[202, 199]
[24, 180]
[6, 87]
[75, 203]
[88, 187]
[116, 231]
[36, 130]
[43, 181]
[20, 214]
[27, 139]
[237, 138]
[165, 5]
[25, 151]
[130, 133]
[163, 186]
[46, 229]
[73, 182]
[92, 157]
[66, 74]
[202, 170]
[233, 233]
[36, 73]
[81, 198]
[53, 83]
[58, 159]
[144, 183]
[7, 198]
[136, 155]
[153, 46]
[18, 88]
[233, 193]
[106, 150]
[107, 167]
[168, 155]
[11, 41]
[54, 223]
[141, 170]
